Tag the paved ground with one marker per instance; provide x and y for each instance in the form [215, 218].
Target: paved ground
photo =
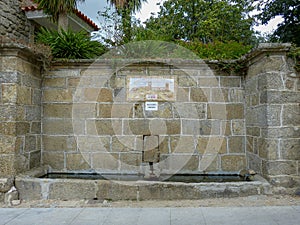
[279, 215]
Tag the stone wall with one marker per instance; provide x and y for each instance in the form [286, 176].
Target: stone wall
[272, 94]
[20, 111]
[13, 22]
[88, 122]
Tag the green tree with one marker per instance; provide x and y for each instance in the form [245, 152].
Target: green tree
[125, 8]
[289, 29]
[204, 20]
[58, 9]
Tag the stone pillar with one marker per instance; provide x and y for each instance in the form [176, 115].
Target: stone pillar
[20, 110]
[272, 92]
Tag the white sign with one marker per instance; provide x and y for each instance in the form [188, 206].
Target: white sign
[151, 106]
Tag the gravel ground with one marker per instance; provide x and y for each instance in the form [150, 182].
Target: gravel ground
[257, 200]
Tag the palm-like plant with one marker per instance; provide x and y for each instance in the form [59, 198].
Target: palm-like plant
[58, 9]
[125, 8]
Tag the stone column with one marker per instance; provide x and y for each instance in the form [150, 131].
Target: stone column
[20, 110]
[272, 94]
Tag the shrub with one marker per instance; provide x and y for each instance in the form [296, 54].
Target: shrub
[70, 45]
[217, 50]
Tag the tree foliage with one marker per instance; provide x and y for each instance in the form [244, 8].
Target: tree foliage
[125, 8]
[289, 29]
[58, 9]
[204, 20]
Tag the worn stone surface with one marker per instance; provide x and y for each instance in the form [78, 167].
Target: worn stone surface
[78, 189]
[233, 162]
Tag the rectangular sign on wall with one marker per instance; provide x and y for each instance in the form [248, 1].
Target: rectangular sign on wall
[151, 106]
[143, 88]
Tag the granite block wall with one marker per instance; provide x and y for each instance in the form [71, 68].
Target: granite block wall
[89, 122]
[272, 116]
[20, 111]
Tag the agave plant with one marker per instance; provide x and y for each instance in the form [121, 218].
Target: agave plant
[68, 44]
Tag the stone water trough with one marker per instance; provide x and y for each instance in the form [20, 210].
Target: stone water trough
[34, 185]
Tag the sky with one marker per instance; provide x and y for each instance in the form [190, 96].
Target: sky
[91, 8]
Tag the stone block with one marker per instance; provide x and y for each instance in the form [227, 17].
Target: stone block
[34, 159]
[58, 95]
[59, 143]
[105, 161]
[9, 93]
[291, 115]
[35, 128]
[93, 144]
[279, 167]
[182, 144]
[165, 110]
[230, 82]
[105, 95]
[7, 144]
[7, 165]
[150, 148]
[72, 189]
[63, 73]
[254, 163]
[267, 64]
[268, 148]
[58, 126]
[104, 127]
[238, 127]
[208, 81]
[78, 161]
[236, 95]
[122, 111]
[217, 111]
[29, 189]
[233, 163]
[212, 145]
[199, 95]
[111, 190]
[36, 96]
[117, 82]
[209, 127]
[55, 82]
[83, 111]
[137, 127]
[191, 127]
[286, 181]
[33, 113]
[30, 143]
[249, 144]
[24, 95]
[6, 184]
[209, 163]
[290, 149]
[187, 81]
[123, 143]
[72, 82]
[164, 145]
[219, 95]
[55, 160]
[22, 128]
[270, 81]
[280, 132]
[8, 128]
[181, 162]
[130, 161]
[190, 110]
[279, 97]
[105, 110]
[236, 144]
[57, 110]
[183, 94]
